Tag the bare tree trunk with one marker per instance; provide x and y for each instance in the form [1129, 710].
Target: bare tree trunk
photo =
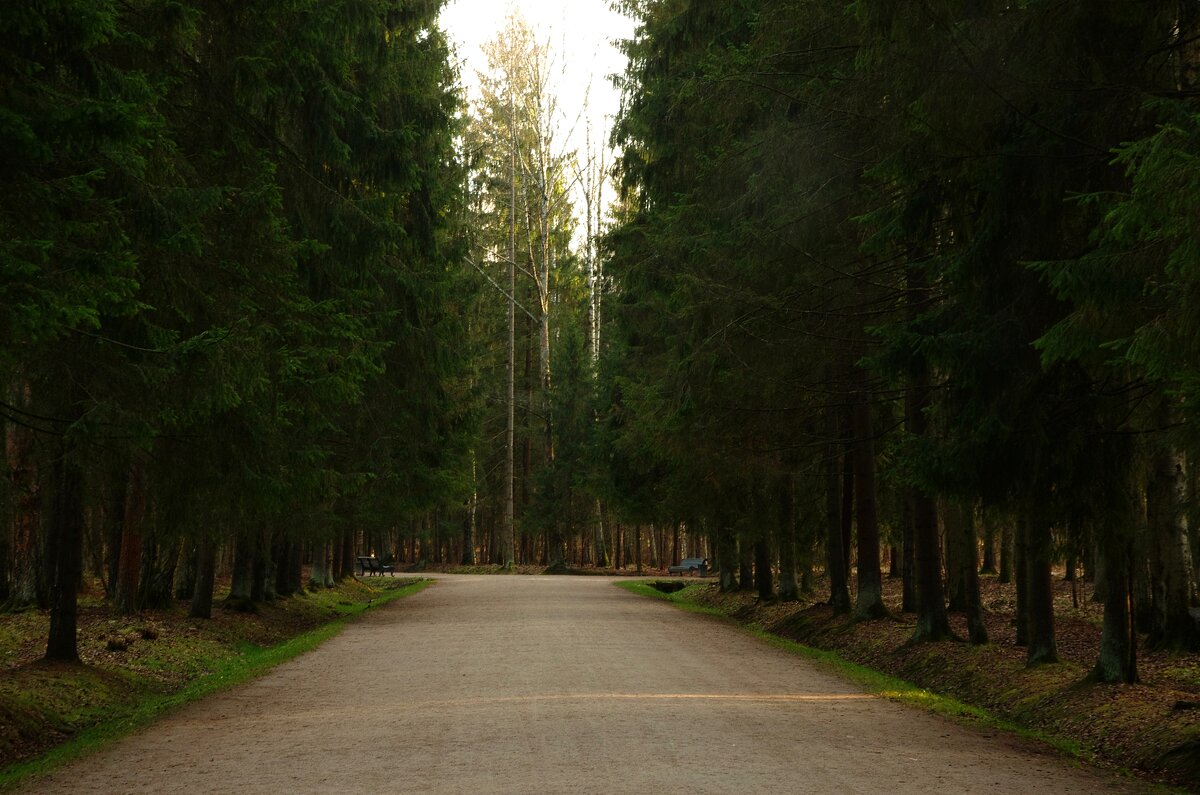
[1117, 660]
[508, 531]
[241, 586]
[1007, 551]
[66, 539]
[869, 603]
[1171, 577]
[206, 569]
[786, 535]
[726, 554]
[637, 543]
[1039, 589]
[835, 559]
[470, 531]
[129, 569]
[956, 579]
[762, 571]
[745, 564]
[989, 547]
[908, 586]
[28, 546]
[976, 628]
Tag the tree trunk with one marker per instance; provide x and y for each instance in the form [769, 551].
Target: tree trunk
[726, 555]
[762, 571]
[869, 603]
[1172, 626]
[185, 584]
[157, 580]
[908, 586]
[347, 570]
[956, 580]
[745, 565]
[470, 531]
[932, 621]
[1039, 587]
[1021, 581]
[1117, 661]
[206, 571]
[835, 559]
[895, 562]
[847, 511]
[114, 519]
[263, 567]
[637, 543]
[508, 531]
[1007, 551]
[29, 584]
[989, 548]
[66, 543]
[130, 566]
[976, 628]
[240, 588]
[786, 534]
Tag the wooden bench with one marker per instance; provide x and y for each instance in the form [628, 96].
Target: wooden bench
[370, 566]
[693, 566]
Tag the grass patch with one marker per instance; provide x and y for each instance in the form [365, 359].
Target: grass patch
[94, 706]
[869, 679]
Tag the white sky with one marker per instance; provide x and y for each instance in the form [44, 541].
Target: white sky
[579, 33]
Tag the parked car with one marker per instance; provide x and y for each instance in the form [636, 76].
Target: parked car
[693, 566]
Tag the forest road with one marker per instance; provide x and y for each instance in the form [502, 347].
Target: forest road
[559, 684]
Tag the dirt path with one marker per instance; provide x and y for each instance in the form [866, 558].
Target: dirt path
[559, 684]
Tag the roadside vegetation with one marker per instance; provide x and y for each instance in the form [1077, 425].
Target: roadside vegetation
[138, 667]
[1151, 729]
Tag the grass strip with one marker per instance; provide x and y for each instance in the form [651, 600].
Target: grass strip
[253, 662]
[870, 680]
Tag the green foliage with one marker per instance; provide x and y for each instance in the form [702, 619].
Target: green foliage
[234, 230]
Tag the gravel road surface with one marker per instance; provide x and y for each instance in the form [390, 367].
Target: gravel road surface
[560, 684]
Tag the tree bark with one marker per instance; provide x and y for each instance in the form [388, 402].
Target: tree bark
[786, 534]
[956, 581]
[1021, 580]
[847, 510]
[835, 559]
[869, 603]
[157, 580]
[1039, 587]
[1172, 626]
[206, 571]
[130, 566]
[1117, 660]
[745, 564]
[66, 541]
[114, 520]
[908, 586]
[989, 548]
[762, 571]
[29, 583]
[241, 586]
[976, 628]
[726, 555]
[1007, 552]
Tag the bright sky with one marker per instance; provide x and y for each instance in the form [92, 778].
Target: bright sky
[579, 33]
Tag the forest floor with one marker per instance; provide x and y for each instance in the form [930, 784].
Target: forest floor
[136, 667]
[1152, 727]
